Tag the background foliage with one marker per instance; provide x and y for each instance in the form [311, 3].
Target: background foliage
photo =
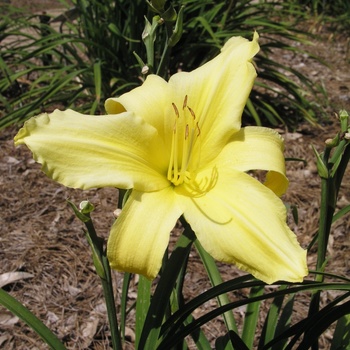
[89, 57]
[85, 55]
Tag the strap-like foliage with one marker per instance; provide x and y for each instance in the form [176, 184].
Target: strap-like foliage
[87, 54]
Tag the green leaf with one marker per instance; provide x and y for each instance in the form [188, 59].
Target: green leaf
[285, 320]
[124, 302]
[230, 340]
[160, 300]
[270, 324]
[321, 322]
[142, 306]
[215, 279]
[31, 320]
[341, 213]
[174, 324]
[251, 317]
[341, 336]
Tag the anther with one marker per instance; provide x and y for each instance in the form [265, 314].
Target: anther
[198, 129]
[185, 103]
[176, 110]
[192, 112]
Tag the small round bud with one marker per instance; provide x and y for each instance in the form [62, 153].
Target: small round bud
[145, 70]
[86, 207]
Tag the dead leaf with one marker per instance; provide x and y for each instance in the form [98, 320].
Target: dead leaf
[3, 338]
[89, 329]
[8, 319]
[10, 277]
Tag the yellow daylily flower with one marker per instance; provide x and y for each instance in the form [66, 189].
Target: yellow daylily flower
[180, 147]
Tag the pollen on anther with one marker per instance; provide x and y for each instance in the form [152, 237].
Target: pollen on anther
[185, 103]
[175, 109]
[192, 112]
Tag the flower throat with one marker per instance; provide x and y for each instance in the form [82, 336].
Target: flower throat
[185, 134]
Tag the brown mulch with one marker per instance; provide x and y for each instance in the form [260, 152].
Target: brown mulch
[41, 236]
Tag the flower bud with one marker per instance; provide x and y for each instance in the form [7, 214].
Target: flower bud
[344, 120]
[86, 207]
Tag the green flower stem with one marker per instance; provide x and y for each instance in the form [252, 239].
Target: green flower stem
[342, 167]
[326, 214]
[148, 37]
[329, 192]
[111, 309]
[164, 61]
[106, 280]
[173, 36]
[215, 280]
[330, 185]
[123, 303]
[102, 267]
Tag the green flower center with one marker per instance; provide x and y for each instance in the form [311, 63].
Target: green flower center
[186, 133]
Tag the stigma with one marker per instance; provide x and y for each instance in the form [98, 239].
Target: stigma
[185, 139]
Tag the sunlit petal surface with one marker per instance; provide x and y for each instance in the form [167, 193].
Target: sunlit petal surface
[254, 148]
[84, 151]
[180, 146]
[139, 237]
[240, 221]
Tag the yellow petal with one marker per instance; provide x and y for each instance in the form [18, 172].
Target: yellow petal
[140, 235]
[149, 101]
[240, 221]
[256, 148]
[84, 151]
[218, 91]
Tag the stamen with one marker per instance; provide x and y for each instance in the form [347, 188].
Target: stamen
[175, 109]
[192, 112]
[198, 129]
[185, 103]
[173, 166]
[184, 137]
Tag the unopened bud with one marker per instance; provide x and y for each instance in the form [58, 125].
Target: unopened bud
[321, 166]
[344, 120]
[145, 70]
[117, 212]
[331, 143]
[177, 33]
[86, 207]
